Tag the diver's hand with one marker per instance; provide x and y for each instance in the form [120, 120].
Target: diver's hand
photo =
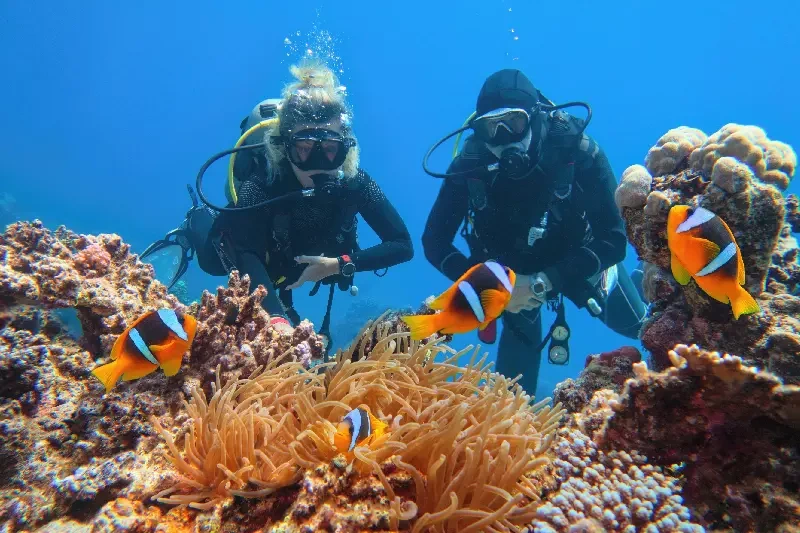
[523, 297]
[319, 267]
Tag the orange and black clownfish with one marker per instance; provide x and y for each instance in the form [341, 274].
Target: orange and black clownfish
[157, 338]
[475, 300]
[358, 428]
[702, 247]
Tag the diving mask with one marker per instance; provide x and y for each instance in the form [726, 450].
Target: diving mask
[318, 149]
[502, 126]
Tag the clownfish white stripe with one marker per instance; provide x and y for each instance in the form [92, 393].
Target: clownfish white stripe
[498, 271]
[723, 257]
[170, 319]
[698, 218]
[357, 419]
[473, 300]
[137, 339]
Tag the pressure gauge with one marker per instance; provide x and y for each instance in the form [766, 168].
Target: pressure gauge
[558, 355]
[560, 333]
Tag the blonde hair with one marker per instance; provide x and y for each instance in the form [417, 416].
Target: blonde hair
[314, 97]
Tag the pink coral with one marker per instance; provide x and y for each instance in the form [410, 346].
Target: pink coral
[93, 258]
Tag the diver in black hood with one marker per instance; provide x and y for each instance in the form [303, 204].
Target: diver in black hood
[536, 194]
[293, 196]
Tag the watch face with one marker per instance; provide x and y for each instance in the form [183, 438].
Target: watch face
[348, 269]
[558, 355]
[560, 333]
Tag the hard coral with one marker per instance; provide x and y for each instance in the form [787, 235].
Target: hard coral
[612, 490]
[735, 429]
[66, 446]
[673, 150]
[98, 276]
[607, 370]
[448, 424]
[731, 174]
[772, 162]
[234, 334]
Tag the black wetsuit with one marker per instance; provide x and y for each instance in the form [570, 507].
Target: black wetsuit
[263, 242]
[584, 233]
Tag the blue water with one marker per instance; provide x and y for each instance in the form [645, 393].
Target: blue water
[109, 109]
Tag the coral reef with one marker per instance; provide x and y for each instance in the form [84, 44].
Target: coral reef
[608, 370]
[448, 424]
[609, 491]
[67, 449]
[734, 429]
[738, 174]
[98, 276]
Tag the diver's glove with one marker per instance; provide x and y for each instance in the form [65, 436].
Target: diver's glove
[530, 292]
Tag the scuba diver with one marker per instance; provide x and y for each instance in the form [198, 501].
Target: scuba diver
[535, 194]
[294, 190]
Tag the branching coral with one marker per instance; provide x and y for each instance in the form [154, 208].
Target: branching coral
[735, 429]
[467, 439]
[736, 173]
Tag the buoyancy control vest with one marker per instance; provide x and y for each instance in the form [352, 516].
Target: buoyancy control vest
[551, 203]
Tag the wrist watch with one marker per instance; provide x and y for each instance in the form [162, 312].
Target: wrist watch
[346, 266]
[538, 286]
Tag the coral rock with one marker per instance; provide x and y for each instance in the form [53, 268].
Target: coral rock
[673, 150]
[607, 370]
[733, 428]
[609, 491]
[727, 176]
[633, 188]
[772, 162]
[98, 276]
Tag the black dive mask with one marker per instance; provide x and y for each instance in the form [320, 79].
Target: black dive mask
[318, 149]
[508, 126]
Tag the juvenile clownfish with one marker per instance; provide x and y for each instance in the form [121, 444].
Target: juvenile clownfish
[357, 428]
[157, 338]
[703, 248]
[475, 300]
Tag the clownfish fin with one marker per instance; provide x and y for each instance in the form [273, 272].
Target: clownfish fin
[109, 374]
[138, 370]
[444, 299]
[493, 302]
[679, 272]
[740, 262]
[742, 303]
[423, 326]
[172, 365]
[707, 249]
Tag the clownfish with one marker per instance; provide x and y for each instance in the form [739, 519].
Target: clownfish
[475, 300]
[157, 338]
[703, 248]
[358, 428]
